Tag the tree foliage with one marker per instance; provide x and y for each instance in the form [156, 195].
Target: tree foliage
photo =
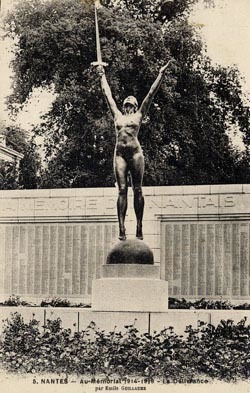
[185, 137]
[8, 175]
[26, 174]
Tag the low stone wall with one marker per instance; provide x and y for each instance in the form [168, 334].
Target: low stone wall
[79, 319]
[53, 242]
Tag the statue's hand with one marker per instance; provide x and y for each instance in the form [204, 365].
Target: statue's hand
[163, 69]
[100, 70]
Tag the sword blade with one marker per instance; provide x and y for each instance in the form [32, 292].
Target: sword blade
[98, 45]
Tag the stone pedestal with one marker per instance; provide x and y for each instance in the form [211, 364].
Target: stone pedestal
[130, 281]
[130, 271]
[127, 287]
[130, 294]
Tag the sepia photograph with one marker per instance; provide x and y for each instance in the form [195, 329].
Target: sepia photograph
[125, 196]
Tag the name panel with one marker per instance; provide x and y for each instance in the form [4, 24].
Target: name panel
[212, 258]
[43, 260]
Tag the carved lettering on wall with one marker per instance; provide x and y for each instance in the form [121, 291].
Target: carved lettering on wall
[200, 202]
[107, 205]
[45, 204]
[53, 259]
[212, 258]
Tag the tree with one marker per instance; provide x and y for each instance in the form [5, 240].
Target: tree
[24, 175]
[185, 136]
[30, 166]
[8, 175]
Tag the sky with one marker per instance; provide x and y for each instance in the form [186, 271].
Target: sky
[225, 29]
[226, 33]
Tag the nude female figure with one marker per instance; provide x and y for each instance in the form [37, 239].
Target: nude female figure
[128, 155]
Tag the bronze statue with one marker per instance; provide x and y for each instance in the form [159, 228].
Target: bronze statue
[128, 155]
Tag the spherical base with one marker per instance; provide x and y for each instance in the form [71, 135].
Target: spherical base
[131, 252]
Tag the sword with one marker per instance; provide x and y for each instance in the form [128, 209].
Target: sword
[97, 36]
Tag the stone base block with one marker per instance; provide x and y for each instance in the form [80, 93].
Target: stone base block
[129, 294]
[126, 270]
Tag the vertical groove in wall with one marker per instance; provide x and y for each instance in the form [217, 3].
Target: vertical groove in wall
[218, 259]
[107, 238]
[227, 260]
[23, 260]
[163, 266]
[177, 260]
[38, 260]
[45, 259]
[201, 259]
[91, 256]
[15, 260]
[99, 250]
[31, 260]
[68, 260]
[169, 257]
[236, 260]
[76, 260]
[210, 269]
[60, 259]
[3, 257]
[185, 263]
[8, 260]
[53, 252]
[83, 260]
[244, 262]
[114, 233]
[193, 274]
[249, 260]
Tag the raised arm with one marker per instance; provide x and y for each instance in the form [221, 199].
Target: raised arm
[107, 92]
[153, 90]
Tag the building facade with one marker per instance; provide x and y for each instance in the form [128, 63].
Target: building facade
[8, 154]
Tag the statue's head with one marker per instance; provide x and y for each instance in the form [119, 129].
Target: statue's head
[130, 105]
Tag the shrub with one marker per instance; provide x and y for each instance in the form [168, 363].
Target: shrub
[219, 352]
[50, 302]
[55, 302]
[173, 303]
[14, 301]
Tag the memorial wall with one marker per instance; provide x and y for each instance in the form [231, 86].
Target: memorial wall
[53, 242]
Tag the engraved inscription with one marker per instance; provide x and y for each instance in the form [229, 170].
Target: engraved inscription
[185, 259]
[201, 259]
[45, 259]
[213, 259]
[210, 279]
[244, 261]
[15, 259]
[194, 202]
[236, 259]
[84, 260]
[227, 259]
[76, 261]
[177, 260]
[100, 205]
[31, 259]
[193, 284]
[169, 256]
[53, 259]
[219, 259]
[60, 259]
